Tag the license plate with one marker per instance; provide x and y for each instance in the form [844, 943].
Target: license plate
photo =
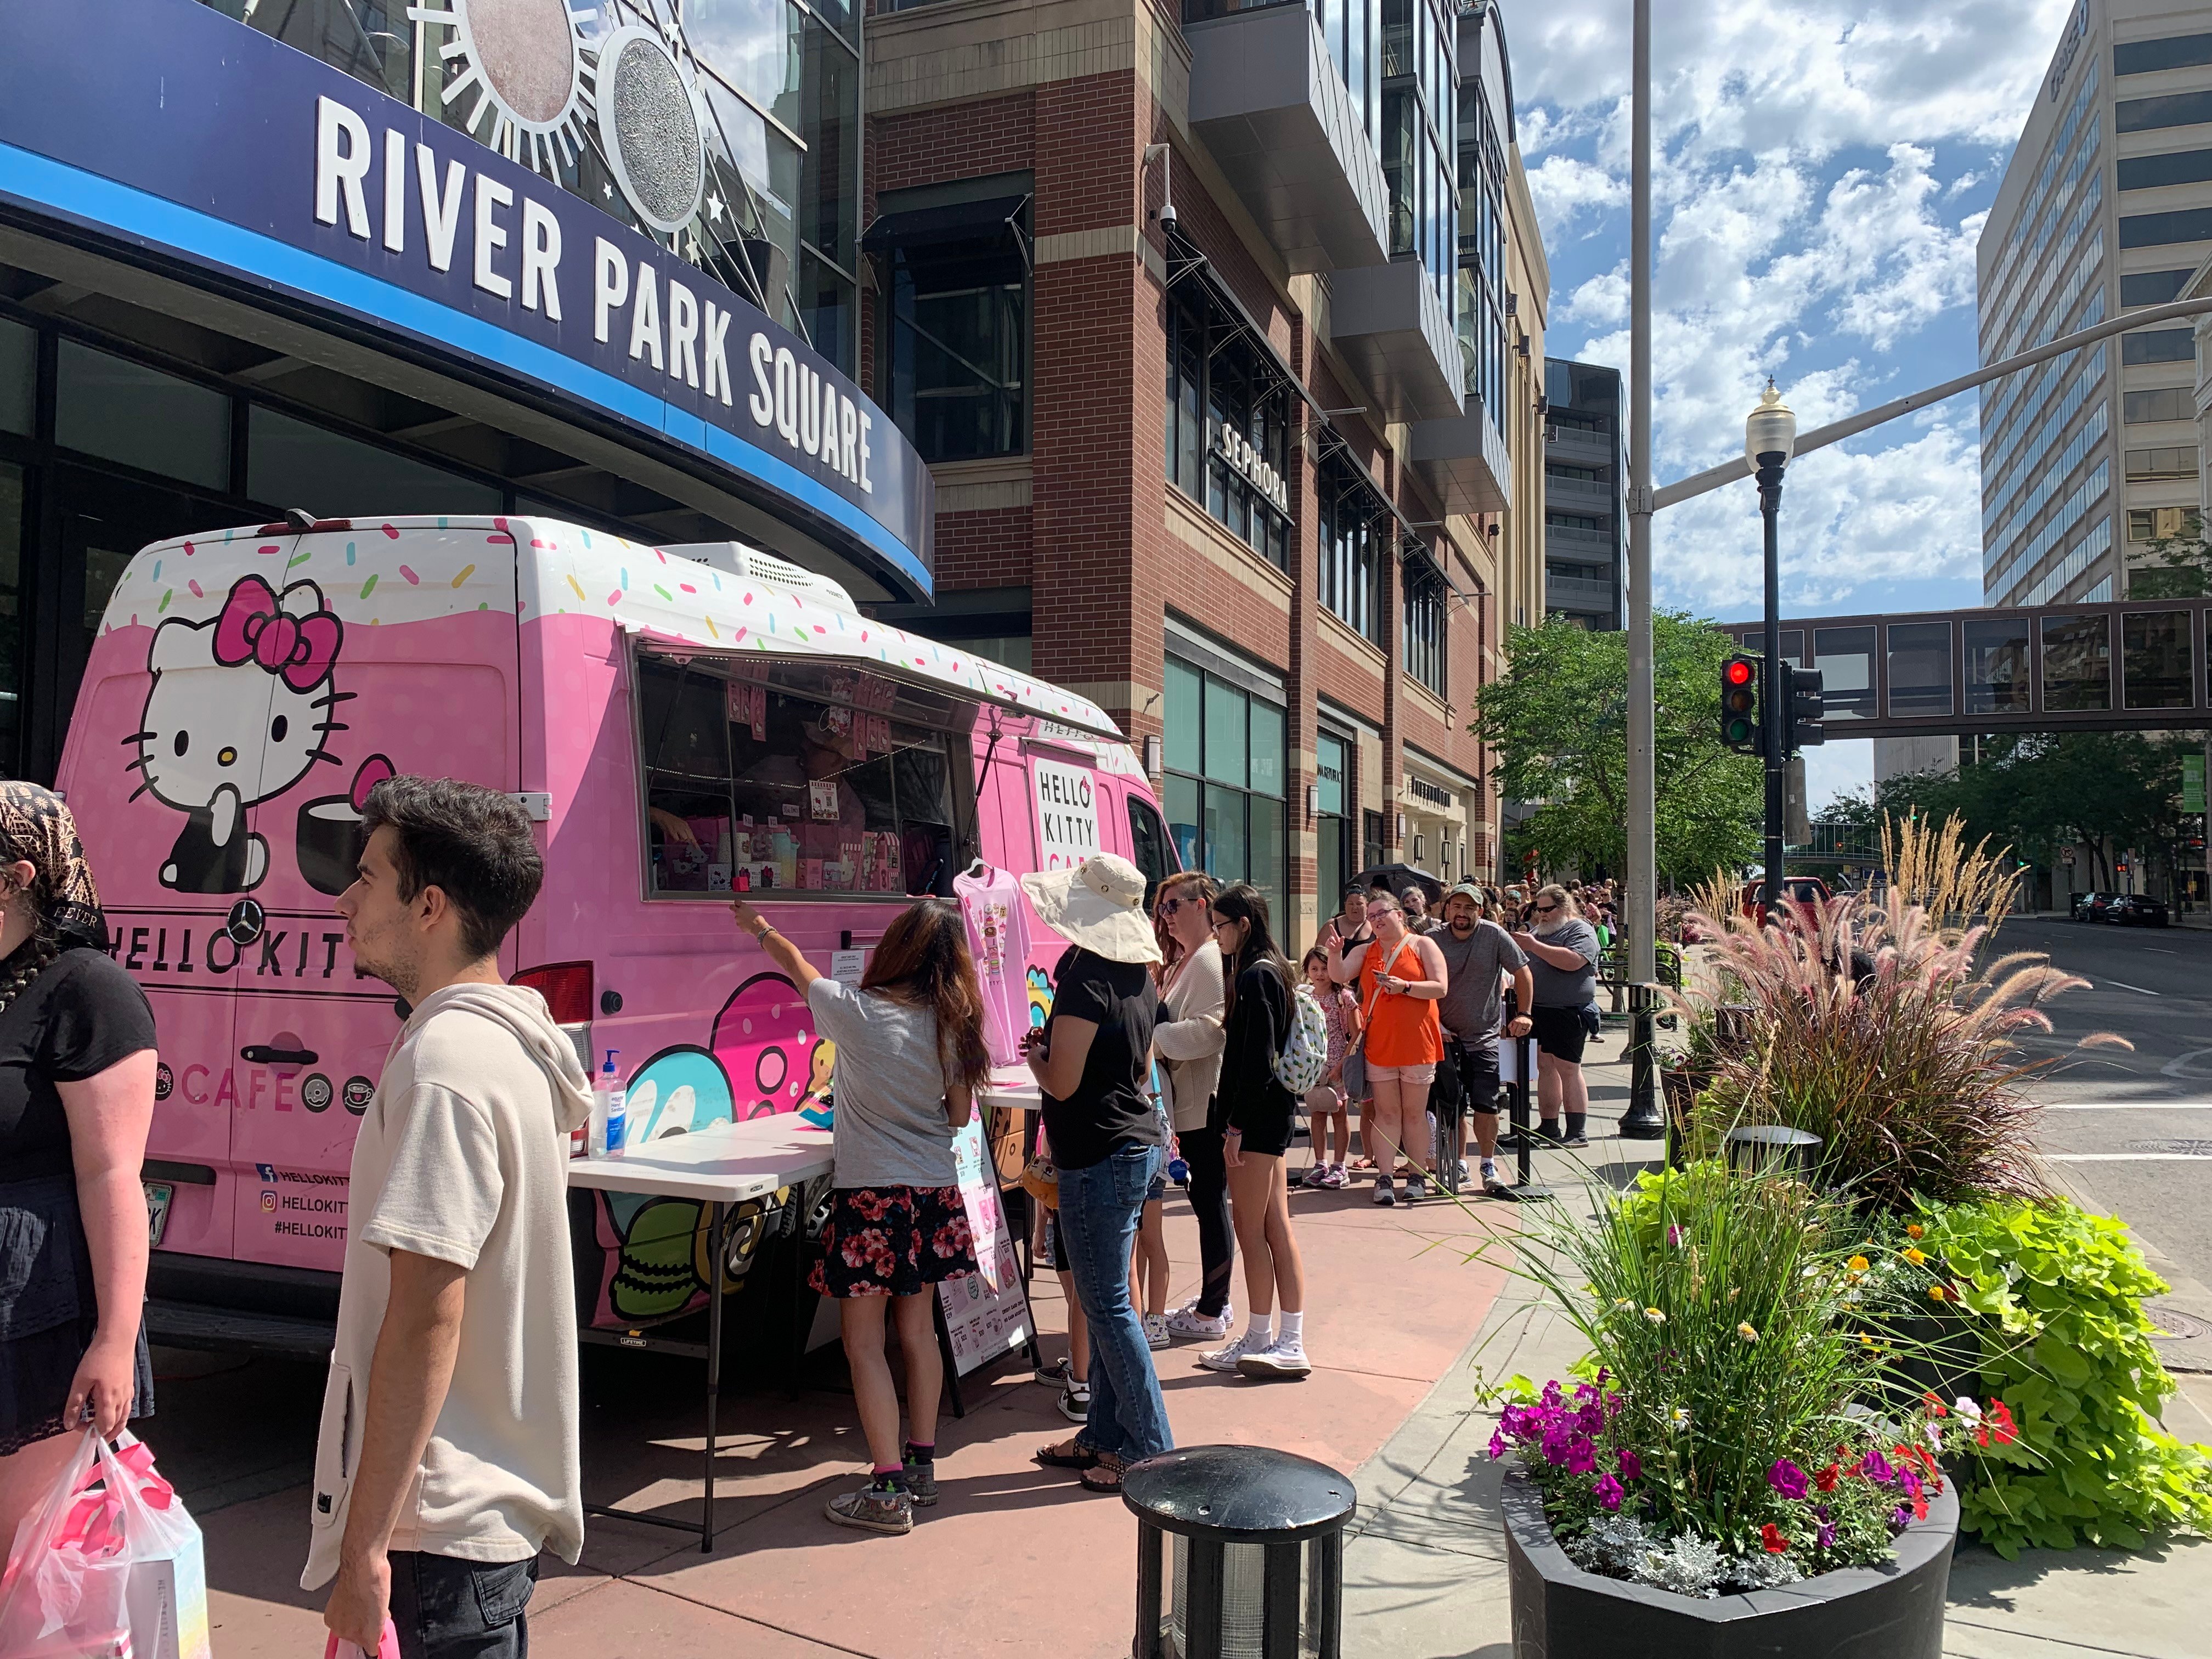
[158, 1194]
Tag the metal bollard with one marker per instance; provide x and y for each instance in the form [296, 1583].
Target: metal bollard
[1258, 1565]
[1769, 1145]
[1642, 1121]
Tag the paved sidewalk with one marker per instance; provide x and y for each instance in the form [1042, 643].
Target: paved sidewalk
[1425, 1576]
[1013, 1560]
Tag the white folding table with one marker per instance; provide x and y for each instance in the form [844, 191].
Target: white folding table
[720, 1167]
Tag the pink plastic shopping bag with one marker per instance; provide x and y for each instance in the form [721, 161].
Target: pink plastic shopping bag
[109, 1566]
[388, 1646]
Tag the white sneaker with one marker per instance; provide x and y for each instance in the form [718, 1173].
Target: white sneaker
[1156, 1331]
[1285, 1356]
[1225, 1359]
[1188, 1323]
[1490, 1175]
[1384, 1192]
[1075, 1403]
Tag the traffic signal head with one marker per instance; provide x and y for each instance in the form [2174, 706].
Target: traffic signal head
[1806, 702]
[1740, 728]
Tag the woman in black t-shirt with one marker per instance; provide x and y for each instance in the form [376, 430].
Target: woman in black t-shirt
[1091, 1060]
[77, 1099]
[1255, 1113]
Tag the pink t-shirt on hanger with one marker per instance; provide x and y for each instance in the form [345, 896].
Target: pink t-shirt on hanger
[999, 937]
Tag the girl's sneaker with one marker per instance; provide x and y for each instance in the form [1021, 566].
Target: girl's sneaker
[921, 1482]
[1334, 1176]
[1188, 1322]
[1075, 1403]
[1155, 1332]
[872, 1509]
[1225, 1359]
[1056, 1375]
[1285, 1356]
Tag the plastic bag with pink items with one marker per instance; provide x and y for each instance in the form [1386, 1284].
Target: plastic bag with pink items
[109, 1566]
[388, 1646]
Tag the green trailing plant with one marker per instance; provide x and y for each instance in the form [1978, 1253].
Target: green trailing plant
[2055, 1296]
[1873, 1028]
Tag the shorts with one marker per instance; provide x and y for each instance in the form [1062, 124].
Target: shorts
[1477, 1074]
[47, 1298]
[892, 1241]
[1560, 1033]
[1155, 1193]
[1418, 1076]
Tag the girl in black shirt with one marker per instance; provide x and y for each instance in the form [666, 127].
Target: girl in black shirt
[1255, 1113]
[76, 1100]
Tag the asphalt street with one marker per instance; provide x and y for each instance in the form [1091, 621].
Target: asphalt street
[2130, 1130]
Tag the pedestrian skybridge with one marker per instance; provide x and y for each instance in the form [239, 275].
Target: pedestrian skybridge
[2136, 664]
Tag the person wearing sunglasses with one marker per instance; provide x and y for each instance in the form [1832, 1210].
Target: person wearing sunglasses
[1562, 952]
[1402, 977]
[1189, 1040]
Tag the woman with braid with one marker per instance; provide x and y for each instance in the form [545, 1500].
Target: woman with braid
[77, 1098]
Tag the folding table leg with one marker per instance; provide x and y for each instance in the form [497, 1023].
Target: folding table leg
[945, 1350]
[718, 1245]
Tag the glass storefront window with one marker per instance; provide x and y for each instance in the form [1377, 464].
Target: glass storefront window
[2154, 663]
[120, 410]
[1350, 515]
[1332, 765]
[956, 339]
[1228, 421]
[19, 377]
[291, 463]
[1225, 780]
[794, 778]
[1426, 606]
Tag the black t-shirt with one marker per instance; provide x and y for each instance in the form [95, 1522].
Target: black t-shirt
[71, 1023]
[1251, 1097]
[1110, 1107]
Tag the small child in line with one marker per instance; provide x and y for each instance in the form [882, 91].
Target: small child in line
[1325, 1101]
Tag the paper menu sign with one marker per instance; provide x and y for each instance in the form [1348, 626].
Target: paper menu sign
[846, 967]
[988, 1313]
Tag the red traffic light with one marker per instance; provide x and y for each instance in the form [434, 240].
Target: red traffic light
[1738, 673]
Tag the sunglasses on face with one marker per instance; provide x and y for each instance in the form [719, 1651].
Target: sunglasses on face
[1546, 909]
[1170, 906]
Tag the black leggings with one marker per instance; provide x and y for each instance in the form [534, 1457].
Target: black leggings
[1209, 1201]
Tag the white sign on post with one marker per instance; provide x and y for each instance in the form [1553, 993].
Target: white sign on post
[988, 1313]
[1066, 813]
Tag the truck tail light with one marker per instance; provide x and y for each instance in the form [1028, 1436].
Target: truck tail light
[567, 988]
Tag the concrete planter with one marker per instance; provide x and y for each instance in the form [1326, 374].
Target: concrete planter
[1894, 1611]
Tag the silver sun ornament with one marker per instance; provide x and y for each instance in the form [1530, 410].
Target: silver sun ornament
[648, 122]
[523, 62]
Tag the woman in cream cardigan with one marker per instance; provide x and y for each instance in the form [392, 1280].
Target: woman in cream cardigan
[1189, 1040]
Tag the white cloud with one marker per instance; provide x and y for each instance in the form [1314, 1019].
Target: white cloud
[1564, 188]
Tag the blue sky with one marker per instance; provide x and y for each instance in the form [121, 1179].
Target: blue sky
[1823, 169]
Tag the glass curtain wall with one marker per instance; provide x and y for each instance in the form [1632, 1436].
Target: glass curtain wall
[956, 342]
[1420, 92]
[773, 85]
[1482, 336]
[1426, 601]
[1223, 758]
[1354, 521]
[1346, 27]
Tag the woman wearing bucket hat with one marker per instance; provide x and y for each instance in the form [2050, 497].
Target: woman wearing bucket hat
[1089, 1059]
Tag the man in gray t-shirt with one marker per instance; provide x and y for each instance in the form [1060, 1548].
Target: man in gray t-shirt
[1478, 956]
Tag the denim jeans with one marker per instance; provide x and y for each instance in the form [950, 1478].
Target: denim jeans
[448, 1608]
[1099, 1209]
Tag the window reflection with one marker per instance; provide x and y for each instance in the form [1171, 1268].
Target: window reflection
[2155, 664]
[1844, 658]
[1920, 668]
[1997, 667]
[2077, 662]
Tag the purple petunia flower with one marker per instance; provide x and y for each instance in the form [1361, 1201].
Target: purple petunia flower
[1910, 1481]
[1609, 1493]
[1826, 1538]
[1581, 1456]
[1557, 1437]
[1496, 1443]
[1900, 1518]
[1673, 1234]
[1876, 1467]
[1551, 1397]
[1787, 1480]
[1632, 1467]
[1819, 1512]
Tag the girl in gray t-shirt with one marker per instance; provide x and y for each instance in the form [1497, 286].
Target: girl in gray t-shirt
[911, 1058]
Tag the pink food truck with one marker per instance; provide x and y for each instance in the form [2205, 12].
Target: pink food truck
[682, 724]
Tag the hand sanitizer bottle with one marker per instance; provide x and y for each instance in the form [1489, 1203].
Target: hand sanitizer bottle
[607, 1116]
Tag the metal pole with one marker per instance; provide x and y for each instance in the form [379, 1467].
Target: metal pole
[1772, 714]
[1639, 912]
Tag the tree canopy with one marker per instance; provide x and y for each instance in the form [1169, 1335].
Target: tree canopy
[1558, 720]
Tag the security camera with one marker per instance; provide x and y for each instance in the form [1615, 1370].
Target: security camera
[1167, 216]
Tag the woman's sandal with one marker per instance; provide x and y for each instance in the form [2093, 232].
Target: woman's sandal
[1079, 1456]
[1105, 1475]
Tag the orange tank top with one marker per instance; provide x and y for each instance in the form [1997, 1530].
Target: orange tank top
[1401, 1030]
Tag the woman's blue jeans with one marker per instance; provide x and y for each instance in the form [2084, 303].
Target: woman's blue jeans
[1099, 1210]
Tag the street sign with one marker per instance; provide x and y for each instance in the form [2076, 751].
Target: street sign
[2067, 858]
[2192, 783]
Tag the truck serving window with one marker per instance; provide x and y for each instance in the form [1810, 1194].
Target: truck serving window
[798, 779]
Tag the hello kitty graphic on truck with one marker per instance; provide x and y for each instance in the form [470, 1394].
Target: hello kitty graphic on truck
[237, 714]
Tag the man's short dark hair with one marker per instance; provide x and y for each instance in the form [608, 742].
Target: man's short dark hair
[471, 844]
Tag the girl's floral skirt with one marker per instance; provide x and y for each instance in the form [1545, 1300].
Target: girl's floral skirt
[892, 1241]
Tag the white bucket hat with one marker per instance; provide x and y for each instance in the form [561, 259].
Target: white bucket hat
[1099, 905]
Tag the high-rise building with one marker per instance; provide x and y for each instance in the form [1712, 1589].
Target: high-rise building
[1585, 495]
[1221, 327]
[2107, 205]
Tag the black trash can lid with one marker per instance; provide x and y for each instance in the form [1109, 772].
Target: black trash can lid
[1240, 1494]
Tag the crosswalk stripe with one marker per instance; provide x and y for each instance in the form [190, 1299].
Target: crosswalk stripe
[2127, 1158]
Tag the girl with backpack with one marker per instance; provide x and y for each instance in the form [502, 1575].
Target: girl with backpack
[1255, 1111]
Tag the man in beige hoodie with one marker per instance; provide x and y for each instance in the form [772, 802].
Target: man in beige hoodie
[447, 1455]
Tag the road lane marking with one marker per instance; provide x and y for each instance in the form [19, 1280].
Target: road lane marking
[2124, 1105]
[2127, 1158]
[2179, 1065]
[2124, 985]
[2158, 949]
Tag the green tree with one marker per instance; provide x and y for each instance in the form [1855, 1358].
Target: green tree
[2180, 565]
[1558, 719]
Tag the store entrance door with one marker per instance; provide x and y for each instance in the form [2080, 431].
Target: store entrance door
[96, 525]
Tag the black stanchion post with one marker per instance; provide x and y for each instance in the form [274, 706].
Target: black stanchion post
[1525, 1189]
[1642, 1121]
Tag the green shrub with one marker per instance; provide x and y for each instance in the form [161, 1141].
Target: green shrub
[2058, 1294]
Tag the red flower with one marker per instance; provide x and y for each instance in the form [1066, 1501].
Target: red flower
[1935, 1407]
[1998, 1426]
[1772, 1541]
[1919, 1508]
[1827, 1479]
[869, 1206]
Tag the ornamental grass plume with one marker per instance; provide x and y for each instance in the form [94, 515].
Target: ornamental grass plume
[1873, 1028]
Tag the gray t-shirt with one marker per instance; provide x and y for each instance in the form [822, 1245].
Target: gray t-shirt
[1472, 1004]
[1566, 988]
[890, 1089]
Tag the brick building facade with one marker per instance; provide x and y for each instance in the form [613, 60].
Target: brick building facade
[1266, 491]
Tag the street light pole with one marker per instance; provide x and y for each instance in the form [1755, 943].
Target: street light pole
[1768, 437]
[1642, 895]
